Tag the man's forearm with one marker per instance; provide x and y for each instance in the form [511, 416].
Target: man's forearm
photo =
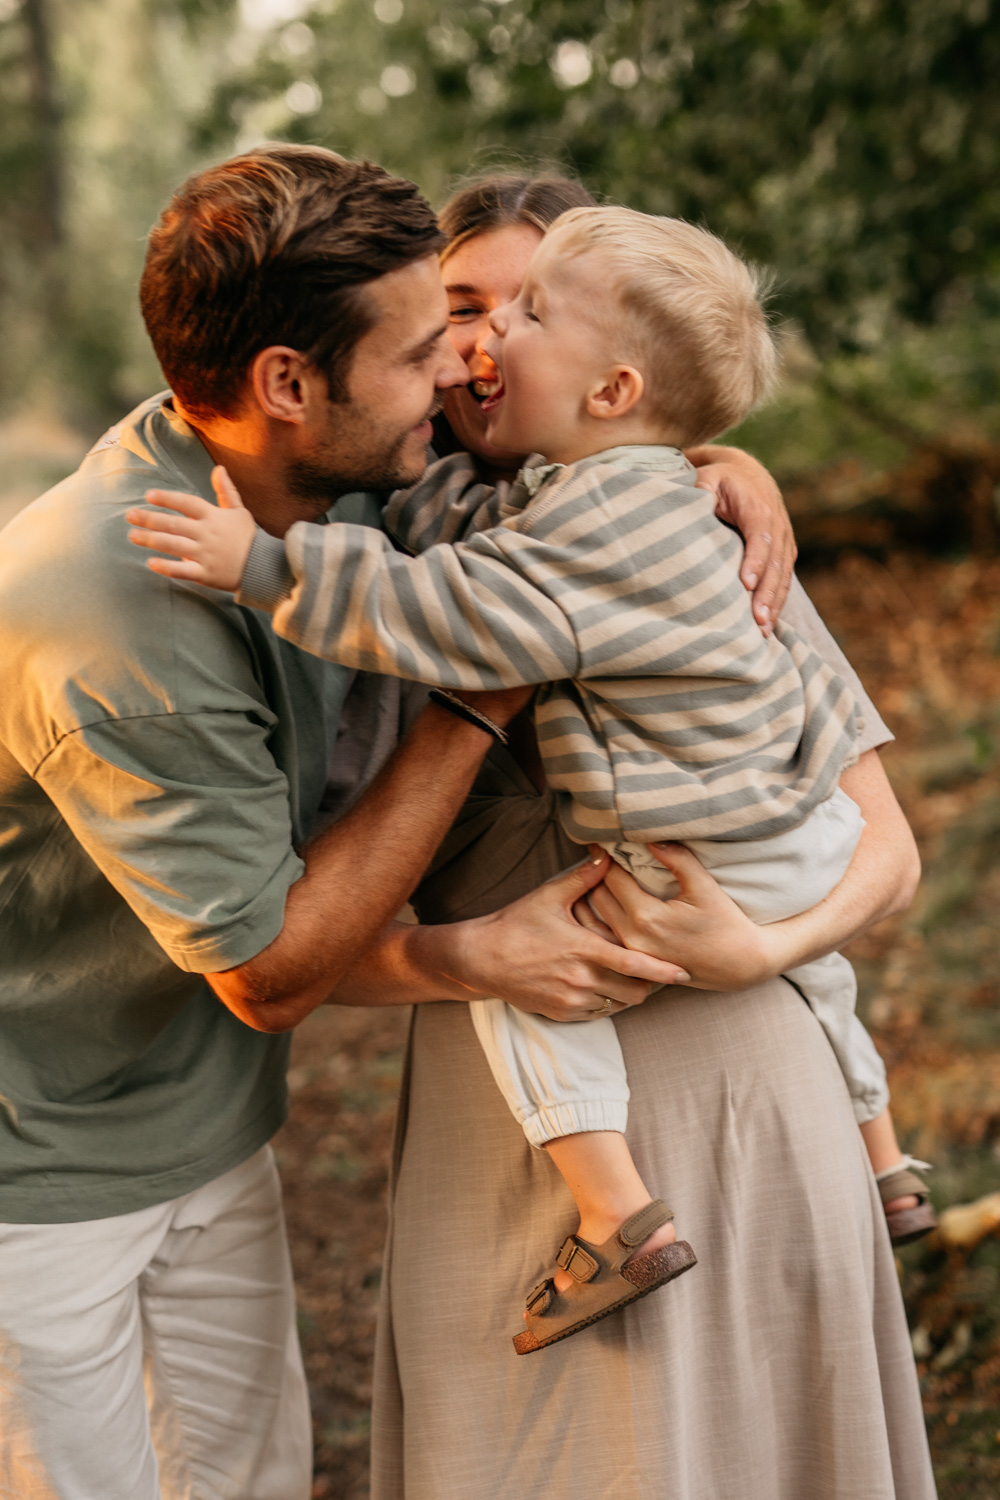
[358, 874]
[407, 965]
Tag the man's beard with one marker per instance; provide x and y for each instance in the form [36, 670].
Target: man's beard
[319, 480]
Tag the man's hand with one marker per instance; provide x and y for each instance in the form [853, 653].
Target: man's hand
[748, 498]
[212, 541]
[536, 956]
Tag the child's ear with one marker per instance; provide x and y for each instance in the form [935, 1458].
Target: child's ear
[619, 392]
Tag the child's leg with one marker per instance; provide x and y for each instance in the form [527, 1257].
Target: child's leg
[566, 1086]
[598, 1169]
[830, 988]
[884, 1154]
[558, 1080]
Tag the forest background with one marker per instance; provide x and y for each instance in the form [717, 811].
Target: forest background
[850, 146]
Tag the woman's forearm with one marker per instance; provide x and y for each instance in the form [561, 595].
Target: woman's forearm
[880, 882]
[703, 930]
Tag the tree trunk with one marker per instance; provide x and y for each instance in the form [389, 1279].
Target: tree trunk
[47, 109]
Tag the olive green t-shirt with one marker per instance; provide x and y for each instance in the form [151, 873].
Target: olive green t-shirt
[162, 756]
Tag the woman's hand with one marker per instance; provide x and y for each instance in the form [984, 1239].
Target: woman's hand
[748, 498]
[701, 928]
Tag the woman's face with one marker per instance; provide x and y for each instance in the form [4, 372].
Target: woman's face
[484, 273]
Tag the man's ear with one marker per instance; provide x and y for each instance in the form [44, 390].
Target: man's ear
[281, 381]
[618, 393]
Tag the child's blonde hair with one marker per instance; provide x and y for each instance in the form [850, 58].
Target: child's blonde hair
[693, 321]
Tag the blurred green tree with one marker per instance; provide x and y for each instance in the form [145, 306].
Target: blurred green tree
[851, 144]
[97, 101]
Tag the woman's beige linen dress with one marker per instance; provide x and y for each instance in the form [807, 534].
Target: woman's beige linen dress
[779, 1368]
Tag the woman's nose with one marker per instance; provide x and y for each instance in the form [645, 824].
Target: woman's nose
[482, 358]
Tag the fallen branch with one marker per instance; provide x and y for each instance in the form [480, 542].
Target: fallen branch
[963, 1226]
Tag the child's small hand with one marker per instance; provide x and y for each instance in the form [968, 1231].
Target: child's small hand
[212, 541]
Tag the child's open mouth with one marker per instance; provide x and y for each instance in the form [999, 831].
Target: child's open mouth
[489, 393]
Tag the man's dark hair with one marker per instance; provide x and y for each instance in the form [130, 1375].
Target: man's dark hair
[274, 247]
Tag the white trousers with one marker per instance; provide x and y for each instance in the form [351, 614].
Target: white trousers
[154, 1356]
[559, 1080]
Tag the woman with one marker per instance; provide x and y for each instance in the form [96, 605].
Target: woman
[780, 1369]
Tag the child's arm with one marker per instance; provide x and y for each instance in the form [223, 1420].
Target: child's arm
[447, 504]
[455, 617]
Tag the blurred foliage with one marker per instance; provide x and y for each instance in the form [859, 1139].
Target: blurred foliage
[925, 635]
[98, 100]
[850, 144]
[876, 405]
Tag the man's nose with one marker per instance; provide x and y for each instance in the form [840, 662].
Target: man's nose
[454, 370]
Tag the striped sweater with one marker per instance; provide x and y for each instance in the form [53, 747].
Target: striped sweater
[662, 711]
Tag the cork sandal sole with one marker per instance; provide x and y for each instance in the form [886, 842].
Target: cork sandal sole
[646, 1273]
[909, 1224]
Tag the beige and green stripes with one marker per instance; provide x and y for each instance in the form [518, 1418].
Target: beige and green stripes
[662, 711]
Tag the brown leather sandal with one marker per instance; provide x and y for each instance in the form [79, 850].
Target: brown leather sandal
[604, 1279]
[907, 1224]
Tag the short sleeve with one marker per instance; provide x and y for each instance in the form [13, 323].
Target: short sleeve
[187, 816]
[802, 615]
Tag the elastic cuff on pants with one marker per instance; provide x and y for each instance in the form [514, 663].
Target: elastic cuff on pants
[555, 1120]
[870, 1106]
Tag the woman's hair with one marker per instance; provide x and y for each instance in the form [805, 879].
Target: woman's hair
[502, 199]
[687, 309]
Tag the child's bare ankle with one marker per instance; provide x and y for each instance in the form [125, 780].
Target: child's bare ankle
[598, 1169]
[879, 1137]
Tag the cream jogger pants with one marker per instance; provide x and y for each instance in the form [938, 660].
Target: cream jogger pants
[154, 1356]
[562, 1079]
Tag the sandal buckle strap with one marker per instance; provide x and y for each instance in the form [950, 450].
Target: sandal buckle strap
[642, 1224]
[899, 1184]
[540, 1296]
[576, 1261]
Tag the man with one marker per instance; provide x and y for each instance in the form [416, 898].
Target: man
[163, 758]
